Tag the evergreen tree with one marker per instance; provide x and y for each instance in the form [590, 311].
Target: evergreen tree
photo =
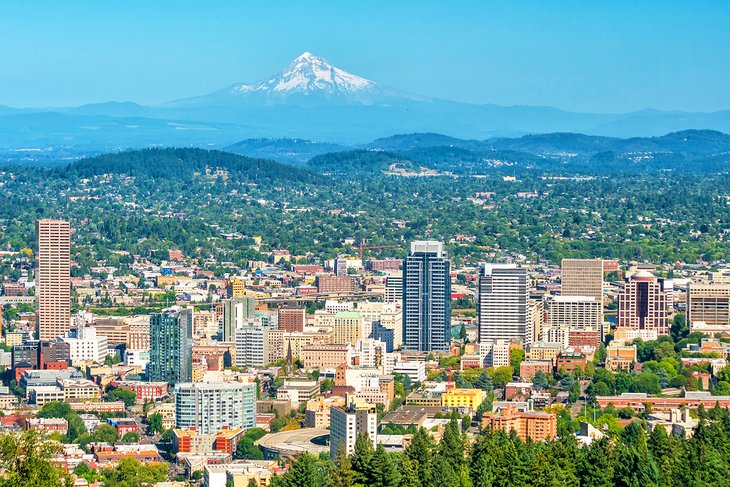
[409, 473]
[384, 470]
[443, 473]
[451, 446]
[341, 473]
[304, 473]
[594, 467]
[420, 452]
[481, 464]
[362, 460]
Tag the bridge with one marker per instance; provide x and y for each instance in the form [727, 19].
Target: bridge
[16, 300]
[323, 297]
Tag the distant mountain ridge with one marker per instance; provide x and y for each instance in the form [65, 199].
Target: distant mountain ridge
[313, 99]
[689, 150]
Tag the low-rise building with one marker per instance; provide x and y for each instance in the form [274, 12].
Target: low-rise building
[79, 390]
[326, 356]
[51, 425]
[528, 424]
[298, 391]
[466, 398]
[317, 414]
[528, 368]
[145, 391]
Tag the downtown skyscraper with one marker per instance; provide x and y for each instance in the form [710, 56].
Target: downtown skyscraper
[171, 346]
[427, 298]
[502, 303]
[53, 278]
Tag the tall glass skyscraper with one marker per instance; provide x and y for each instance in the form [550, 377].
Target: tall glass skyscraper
[427, 298]
[171, 346]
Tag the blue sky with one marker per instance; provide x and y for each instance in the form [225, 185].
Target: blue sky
[584, 56]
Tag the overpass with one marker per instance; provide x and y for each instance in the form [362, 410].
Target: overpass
[323, 297]
[16, 300]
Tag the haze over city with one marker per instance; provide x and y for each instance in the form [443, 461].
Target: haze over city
[420, 244]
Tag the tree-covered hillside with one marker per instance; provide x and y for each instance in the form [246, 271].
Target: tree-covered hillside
[182, 163]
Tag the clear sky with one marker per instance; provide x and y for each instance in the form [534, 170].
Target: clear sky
[608, 56]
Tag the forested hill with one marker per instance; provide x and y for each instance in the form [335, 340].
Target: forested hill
[358, 161]
[184, 163]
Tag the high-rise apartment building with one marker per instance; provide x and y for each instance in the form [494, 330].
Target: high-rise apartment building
[347, 327]
[502, 302]
[171, 346]
[235, 313]
[210, 406]
[427, 297]
[340, 265]
[250, 346]
[642, 304]
[393, 289]
[575, 312]
[53, 279]
[708, 307]
[327, 283]
[582, 277]
[291, 319]
[535, 320]
[347, 424]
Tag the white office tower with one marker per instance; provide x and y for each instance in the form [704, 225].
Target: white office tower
[502, 302]
[347, 424]
[209, 406]
[494, 353]
[86, 346]
[250, 342]
[236, 312]
[392, 319]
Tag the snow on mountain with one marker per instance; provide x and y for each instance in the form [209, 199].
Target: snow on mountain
[309, 74]
[306, 80]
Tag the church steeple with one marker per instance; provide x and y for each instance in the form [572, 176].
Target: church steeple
[289, 361]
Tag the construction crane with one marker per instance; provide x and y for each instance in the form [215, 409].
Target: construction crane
[363, 247]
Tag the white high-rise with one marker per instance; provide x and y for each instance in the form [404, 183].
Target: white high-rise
[347, 424]
[210, 406]
[502, 303]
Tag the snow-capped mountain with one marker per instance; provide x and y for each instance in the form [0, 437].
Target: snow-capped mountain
[309, 79]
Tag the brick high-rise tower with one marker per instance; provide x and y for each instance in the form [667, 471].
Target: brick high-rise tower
[53, 278]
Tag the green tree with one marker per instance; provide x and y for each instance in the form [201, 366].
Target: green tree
[55, 409]
[248, 450]
[76, 427]
[540, 380]
[362, 459]
[124, 394]
[105, 433]
[384, 470]
[130, 437]
[304, 472]
[341, 473]
[26, 460]
[155, 423]
[420, 453]
[451, 446]
[501, 376]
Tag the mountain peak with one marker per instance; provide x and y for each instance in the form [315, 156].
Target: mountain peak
[308, 75]
[307, 80]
